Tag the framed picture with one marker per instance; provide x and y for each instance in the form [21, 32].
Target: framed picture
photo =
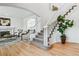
[5, 21]
[53, 6]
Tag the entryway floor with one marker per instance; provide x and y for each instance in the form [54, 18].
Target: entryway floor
[23, 48]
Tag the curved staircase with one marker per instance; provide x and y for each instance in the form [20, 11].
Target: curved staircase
[44, 42]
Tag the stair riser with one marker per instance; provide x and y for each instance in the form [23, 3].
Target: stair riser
[38, 36]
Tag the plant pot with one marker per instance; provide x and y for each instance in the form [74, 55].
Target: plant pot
[63, 39]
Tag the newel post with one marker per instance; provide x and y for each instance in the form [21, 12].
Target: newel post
[46, 34]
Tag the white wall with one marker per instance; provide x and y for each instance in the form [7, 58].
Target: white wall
[16, 15]
[17, 23]
[72, 33]
[10, 13]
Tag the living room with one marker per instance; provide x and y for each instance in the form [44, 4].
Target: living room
[36, 26]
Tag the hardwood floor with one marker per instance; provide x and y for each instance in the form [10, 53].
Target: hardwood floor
[25, 49]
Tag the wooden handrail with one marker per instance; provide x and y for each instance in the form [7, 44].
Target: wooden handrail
[70, 10]
[52, 31]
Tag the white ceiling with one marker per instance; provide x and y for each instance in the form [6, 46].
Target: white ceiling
[14, 12]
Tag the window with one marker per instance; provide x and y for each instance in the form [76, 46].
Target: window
[31, 23]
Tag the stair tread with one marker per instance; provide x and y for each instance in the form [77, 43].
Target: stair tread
[39, 39]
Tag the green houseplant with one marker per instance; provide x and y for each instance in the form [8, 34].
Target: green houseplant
[63, 24]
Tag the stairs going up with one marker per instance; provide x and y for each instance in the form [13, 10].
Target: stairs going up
[39, 39]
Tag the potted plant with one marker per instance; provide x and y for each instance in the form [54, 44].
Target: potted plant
[63, 24]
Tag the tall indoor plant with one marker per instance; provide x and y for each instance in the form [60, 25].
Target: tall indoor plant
[63, 24]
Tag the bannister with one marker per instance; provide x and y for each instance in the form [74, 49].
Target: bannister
[56, 23]
[47, 32]
[70, 10]
[27, 32]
